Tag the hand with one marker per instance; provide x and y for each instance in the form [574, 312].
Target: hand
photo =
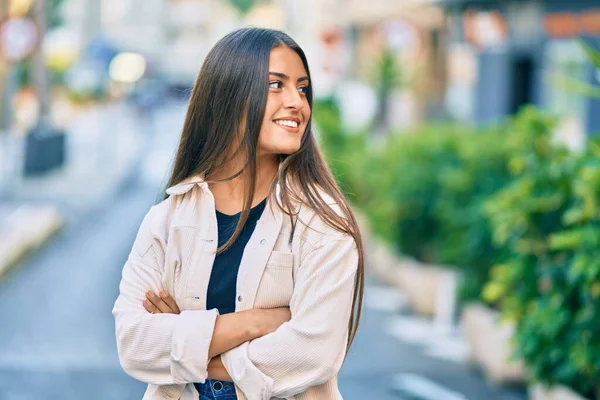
[268, 320]
[216, 370]
[163, 303]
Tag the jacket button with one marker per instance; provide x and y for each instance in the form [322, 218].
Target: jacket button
[263, 241]
[239, 298]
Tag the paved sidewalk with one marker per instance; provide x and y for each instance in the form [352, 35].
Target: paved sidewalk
[404, 355]
[59, 352]
[398, 356]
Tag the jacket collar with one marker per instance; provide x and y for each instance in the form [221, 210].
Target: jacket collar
[186, 185]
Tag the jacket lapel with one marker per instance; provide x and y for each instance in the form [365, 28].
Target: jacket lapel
[195, 228]
[256, 255]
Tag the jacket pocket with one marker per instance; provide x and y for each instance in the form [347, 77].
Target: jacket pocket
[280, 259]
[277, 283]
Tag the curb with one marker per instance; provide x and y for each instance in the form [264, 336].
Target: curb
[423, 284]
[24, 230]
[540, 392]
[424, 287]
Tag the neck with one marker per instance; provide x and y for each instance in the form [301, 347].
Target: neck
[229, 195]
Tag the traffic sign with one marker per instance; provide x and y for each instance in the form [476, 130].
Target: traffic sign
[19, 37]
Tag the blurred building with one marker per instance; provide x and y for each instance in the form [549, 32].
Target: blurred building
[349, 41]
[192, 27]
[345, 41]
[174, 35]
[412, 30]
[508, 53]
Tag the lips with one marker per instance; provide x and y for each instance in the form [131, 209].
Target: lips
[289, 118]
[291, 124]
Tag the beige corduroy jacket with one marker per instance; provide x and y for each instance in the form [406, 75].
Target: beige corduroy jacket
[175, 248]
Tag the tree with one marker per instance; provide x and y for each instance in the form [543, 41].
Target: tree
[573, 85]
[242, 5]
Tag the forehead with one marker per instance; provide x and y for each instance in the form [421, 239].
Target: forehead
[286, 60]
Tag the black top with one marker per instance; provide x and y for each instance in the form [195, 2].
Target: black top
[223, 278]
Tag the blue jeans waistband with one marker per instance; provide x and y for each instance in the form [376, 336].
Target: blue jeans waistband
[215, 389]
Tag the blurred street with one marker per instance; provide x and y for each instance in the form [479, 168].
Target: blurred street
[59, 342]
[464, 134]
[57, 339]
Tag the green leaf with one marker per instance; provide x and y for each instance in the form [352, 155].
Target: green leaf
[242, 5]
[592, 54]
[566, 83]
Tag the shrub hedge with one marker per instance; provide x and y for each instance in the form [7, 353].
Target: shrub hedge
[517, 213]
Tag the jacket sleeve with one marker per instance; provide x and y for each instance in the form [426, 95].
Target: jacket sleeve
[309, 349]
[158, 349]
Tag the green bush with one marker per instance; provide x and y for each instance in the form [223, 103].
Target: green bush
[346, 152]
[518, 214]
[548, 220]
[422, 190]
[405, 189]
[426, 190]
[467, 240]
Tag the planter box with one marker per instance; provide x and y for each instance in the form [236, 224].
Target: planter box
[382, 263]
[421, 283]
[490, 343]
[12, 249]
[36, 224]
[540, 392]
[430, 289]
[26, 229]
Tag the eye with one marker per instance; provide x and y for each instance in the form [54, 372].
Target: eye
[303, 90]
[275, 84]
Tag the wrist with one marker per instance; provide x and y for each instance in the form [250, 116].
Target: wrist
[252, 327]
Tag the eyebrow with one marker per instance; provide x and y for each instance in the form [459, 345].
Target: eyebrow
[284, 76]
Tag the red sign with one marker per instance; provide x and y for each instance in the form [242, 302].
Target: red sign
[571, 24]
[485, 28]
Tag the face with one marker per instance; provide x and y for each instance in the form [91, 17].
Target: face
[287, 111]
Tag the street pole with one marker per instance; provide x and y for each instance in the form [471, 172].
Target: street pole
[7, 87]
[44, 144]
[40, 74]
[5, 81]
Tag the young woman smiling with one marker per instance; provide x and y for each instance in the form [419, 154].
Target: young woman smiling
[246, 281]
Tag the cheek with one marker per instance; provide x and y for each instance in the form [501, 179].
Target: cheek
[273, 141]
[307, 112]
[269, 138]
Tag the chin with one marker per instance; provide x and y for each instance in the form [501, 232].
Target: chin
[280, 151]
[289, 149]
[288, 153]
[283, 149]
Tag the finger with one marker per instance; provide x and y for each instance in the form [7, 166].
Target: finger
[150, 307]
[166, 297]
[167, 301]
[158, 303]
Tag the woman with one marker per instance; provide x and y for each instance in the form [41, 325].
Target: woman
[247, 280]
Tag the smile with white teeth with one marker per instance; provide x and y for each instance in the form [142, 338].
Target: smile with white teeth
[286, 122]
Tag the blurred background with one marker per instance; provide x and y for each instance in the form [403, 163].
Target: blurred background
[463, 132]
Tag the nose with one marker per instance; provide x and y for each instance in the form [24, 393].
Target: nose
[293, 99]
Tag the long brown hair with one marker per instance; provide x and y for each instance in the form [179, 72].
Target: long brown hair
[231, 87]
